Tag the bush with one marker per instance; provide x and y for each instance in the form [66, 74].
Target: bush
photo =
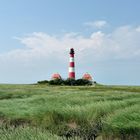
[43, 82]
[67, 82]
[70, 82]
[56, 82]
[83, 82]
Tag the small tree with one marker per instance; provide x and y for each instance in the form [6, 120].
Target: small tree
[82, 82]
[43, 82]
[56, 82]
[70, 82]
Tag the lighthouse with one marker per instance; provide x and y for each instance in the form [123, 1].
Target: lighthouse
[71, 65]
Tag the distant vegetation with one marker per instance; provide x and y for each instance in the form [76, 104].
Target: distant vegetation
[67, 82]
[42, 112]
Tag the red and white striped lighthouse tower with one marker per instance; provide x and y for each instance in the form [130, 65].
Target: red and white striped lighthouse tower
[71, 65]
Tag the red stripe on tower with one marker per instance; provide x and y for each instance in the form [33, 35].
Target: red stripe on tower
[71, 65]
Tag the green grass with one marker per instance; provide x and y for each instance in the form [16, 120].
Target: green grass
[53, 112]
[26, 133]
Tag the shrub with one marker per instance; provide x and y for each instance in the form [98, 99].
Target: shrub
[82, 82]
[56, 82]
[70, 82]
[43, 82]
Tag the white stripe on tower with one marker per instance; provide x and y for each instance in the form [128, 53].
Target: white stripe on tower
[71, 65]
[71, 59]
[71, 69]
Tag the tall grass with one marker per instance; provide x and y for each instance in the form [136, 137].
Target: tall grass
[26, 133]
[86, 112]
[124, 123]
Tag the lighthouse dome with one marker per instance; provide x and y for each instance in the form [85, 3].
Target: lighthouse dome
[87, 76]
[56, 76]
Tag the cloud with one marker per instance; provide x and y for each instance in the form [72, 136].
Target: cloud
[96, 24]
[44, 54]
[122, 43]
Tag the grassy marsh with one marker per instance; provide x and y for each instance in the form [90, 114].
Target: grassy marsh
[58, 112]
